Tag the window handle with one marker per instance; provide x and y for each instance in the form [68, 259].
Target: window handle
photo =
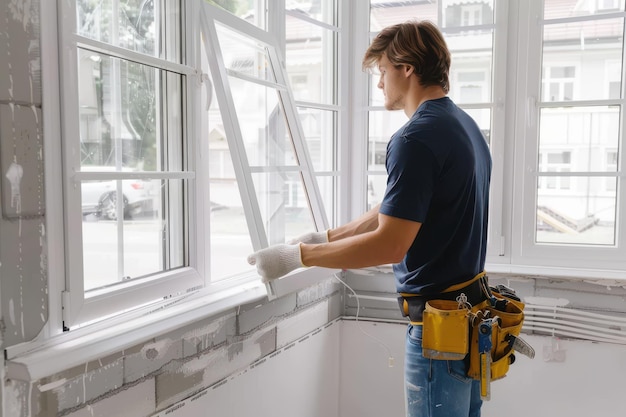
[204, 79]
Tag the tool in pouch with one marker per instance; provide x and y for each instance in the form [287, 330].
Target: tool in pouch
[485, 329]
[486, 334]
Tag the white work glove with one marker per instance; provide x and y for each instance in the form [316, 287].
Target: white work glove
[313, 237]
[276, 261]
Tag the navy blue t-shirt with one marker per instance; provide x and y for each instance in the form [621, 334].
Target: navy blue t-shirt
[439, 168]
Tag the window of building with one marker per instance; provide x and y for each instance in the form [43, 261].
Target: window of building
[269, 194]
[187, 144]
[128, 151]
[184, 150]
[470, 32]
[313, 62]
[558, 83]
[570, 151]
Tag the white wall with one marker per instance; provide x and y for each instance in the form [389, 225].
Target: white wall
[368, 385]
[301, 379]
[343, 371]
[589, 381]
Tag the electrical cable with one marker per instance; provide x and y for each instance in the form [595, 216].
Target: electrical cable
[356, 319]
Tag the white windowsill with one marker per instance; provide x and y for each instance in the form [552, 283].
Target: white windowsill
[605, 276]
[67, 350]
[35, 360]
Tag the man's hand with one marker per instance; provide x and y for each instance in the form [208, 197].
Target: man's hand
[313, 237]
[276, 261]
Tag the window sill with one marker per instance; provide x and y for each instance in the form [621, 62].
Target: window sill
[600, 275]
[35, 360]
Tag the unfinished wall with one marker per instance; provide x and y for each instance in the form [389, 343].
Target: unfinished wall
[153, 374]
[300, 379]
[584, 379]
[23, 276]
[158, 373]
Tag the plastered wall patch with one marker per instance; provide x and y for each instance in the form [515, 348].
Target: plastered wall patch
[21, 161]
[14, 175]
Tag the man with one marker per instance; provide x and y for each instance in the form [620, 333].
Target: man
[432, 222]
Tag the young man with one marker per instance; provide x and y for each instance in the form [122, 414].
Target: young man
[432, 222]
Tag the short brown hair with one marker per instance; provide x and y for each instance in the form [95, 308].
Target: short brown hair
[419, 44]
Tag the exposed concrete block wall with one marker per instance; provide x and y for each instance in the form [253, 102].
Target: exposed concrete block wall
[23, 275]
[161, 372]
[154, 373]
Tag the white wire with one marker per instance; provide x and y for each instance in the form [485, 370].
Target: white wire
[356, 319]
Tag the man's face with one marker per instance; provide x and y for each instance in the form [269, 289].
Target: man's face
[394, 83]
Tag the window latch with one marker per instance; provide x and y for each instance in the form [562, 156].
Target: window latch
[204, 79]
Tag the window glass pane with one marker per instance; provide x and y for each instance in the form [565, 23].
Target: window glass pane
[284, 205]
[328, 191]
[229, 235]
[99, 197]
[385, 12]
[585, 133]
[382, 124]
[466, 13]
[581, 212]
[470, 72]
[376, 186]
[121, 121]
[454, 13]
[131, 24]
[262, 121]
[322, 10]
[252, 11]
[244, 55]
[119, 118]
[580, 59]
[123, 242]
[320, 132]
[310, 61]
[555, 9]
[483, 119]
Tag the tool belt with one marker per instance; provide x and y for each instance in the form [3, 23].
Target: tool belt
[413, 305]
[471, 321]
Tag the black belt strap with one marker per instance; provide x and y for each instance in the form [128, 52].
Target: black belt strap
[413, 305]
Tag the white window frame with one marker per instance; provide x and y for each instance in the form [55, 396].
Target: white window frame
[498, 245]
[588, 261]
[243, 171]
[33, 360]
[78, 306]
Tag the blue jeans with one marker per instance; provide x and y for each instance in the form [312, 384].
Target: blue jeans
[437, 388]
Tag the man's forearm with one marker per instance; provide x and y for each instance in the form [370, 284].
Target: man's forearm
[352, 252]
[366, 223]
[387, 243]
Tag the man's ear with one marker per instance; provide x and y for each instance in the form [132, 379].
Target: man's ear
[408, 70]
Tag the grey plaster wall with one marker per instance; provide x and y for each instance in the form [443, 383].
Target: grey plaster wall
[157, 373]
[23, 276]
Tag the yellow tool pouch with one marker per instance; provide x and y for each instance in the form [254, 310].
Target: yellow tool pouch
[451, 330]
[510, 318]
[445, 334]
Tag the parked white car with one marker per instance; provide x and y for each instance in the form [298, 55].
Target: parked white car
[99, 198]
